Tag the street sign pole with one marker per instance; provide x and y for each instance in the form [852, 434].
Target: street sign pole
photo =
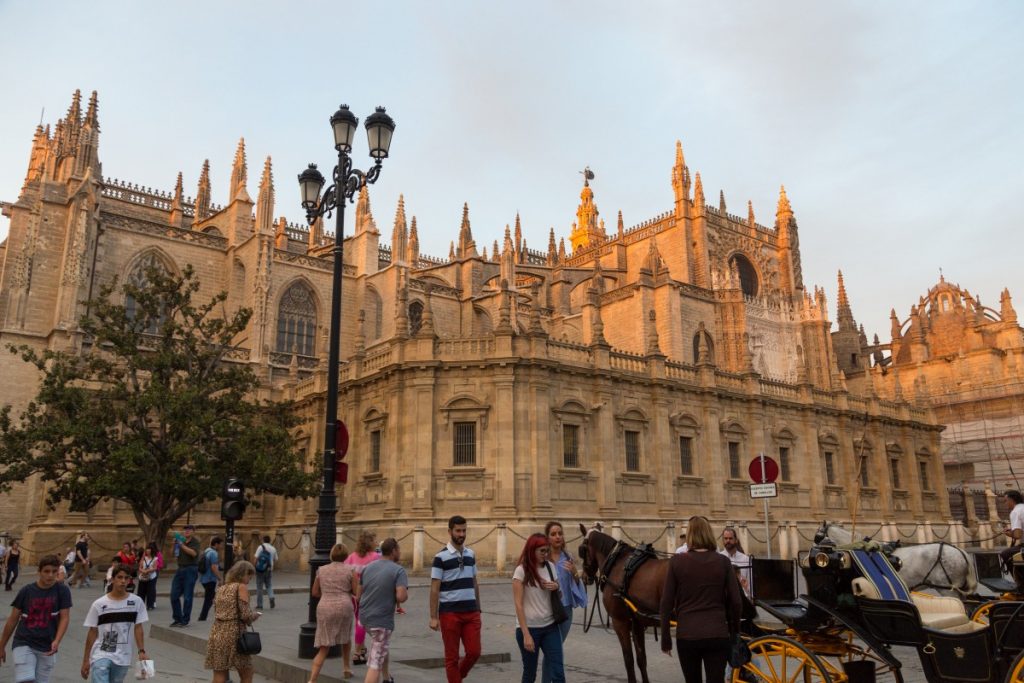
[767, 538]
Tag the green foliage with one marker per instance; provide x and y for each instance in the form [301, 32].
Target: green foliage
[153, 412]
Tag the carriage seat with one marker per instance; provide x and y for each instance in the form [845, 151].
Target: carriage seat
[939, 613]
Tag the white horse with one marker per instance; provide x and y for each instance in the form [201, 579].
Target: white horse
[939, 565]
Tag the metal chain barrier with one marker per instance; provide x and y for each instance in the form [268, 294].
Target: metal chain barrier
[949, 527]
[912, 534]
[49, 551]
[800, 533]
[284, 542]
[771, 536]
[434, 538]
[407, 535]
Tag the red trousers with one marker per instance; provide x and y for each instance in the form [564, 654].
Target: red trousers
[464, 627]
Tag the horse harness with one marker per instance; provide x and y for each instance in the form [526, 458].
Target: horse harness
[634, 561]
[938, 563]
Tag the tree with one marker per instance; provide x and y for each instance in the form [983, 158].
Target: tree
[153, 411]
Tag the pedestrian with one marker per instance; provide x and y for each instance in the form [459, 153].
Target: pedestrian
[211, 575]
[147, 576]
[82, 561]
[128, 558]
[733, 549]
[455, 601]
[574, 594]
[38, 620]
[264, 560]
[232, 615]
[183, 585]
[69, 561]
[159, 568]
[682, 539]
[384, 586]
[533, 582]
[114, 620]
[1014, 503]
[365, 554]
[336, 585]
[13, 565]
[702, 595]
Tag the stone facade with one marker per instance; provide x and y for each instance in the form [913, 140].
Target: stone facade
[963, 359]
[631, 378]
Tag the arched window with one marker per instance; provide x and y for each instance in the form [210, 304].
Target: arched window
[296, 321]
[415, 317]
[747, 272]
[139, 279]
[375, 306]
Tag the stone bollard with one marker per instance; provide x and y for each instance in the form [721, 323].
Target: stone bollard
[894, 532]
[501, 549]
[617, 530]
[794, 540]
[921, 537]
[417, 548]
[339, 535]
[671, 542]
[929, 533]
[304, 547]
[744, 536]
[954, 532]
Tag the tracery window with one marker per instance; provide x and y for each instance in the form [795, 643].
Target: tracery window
[747, 273]
[415, 317]
[138, 279]
[296, 321]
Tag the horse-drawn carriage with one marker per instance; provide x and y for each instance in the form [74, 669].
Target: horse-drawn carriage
[855, 611]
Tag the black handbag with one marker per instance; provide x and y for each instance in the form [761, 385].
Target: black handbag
[248, 642]
[558, 611]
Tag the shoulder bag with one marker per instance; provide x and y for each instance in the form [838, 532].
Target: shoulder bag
[558, 610]
[248, 642]
[739, 651]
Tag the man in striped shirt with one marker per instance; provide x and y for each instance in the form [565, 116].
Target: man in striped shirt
[455, 602]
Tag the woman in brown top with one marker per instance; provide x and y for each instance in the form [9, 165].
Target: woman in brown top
[703, 596]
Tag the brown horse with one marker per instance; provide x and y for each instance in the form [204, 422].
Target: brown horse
[644, 592]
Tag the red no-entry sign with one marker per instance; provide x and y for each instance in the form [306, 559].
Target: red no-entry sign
[771, 470]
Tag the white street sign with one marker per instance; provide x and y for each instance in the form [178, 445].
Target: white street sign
[763, 491]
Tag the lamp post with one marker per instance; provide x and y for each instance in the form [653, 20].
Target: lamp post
[347, 182]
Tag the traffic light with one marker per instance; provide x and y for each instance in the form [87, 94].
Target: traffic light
[232, 505]
[340, 449]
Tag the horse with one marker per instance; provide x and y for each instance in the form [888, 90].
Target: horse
[937, 565]
[604, 563]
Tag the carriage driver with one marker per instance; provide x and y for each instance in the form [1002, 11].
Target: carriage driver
[1015, 504]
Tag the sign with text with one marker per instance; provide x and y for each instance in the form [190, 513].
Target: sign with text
[763, 491]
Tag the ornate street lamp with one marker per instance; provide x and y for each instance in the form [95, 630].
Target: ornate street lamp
[347, 182]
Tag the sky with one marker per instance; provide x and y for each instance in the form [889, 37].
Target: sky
[896, 128]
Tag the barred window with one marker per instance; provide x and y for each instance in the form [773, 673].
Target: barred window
[375, 450]
[865, 480]
[734, 460]
[464, 444]
[570, 446]
[686, 455]
[830, 468]
[922, 469]
[632, 451]
[784, 463]
[296, 321]
[894, 472]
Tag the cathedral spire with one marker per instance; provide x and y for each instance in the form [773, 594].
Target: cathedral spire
[364, 215]
[92, 117]
[721, 201]
[177, 216]
[265, 201]
[698, 194]
[240, 174]
[1006, 311]
[467, 246]
[680, 177]
[519, 235]
[202, 204]
[784, 209]
[399, 234]
[495, 252]
[552, 249]
[844, 314]
[561, 250]
[414, 245]
[750, 214]
[587, 230]
[74, 117]
[894, 325]
[620, 228]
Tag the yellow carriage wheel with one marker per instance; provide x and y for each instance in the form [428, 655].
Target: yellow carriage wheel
[981, 614]
[1016, 672]
[775, 659]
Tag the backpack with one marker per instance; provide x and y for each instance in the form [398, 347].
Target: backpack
[204, 562]
[263, 559]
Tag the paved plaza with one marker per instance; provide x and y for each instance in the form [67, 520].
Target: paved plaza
[591, 657]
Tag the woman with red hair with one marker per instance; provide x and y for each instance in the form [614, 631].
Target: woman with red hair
[532, 585]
